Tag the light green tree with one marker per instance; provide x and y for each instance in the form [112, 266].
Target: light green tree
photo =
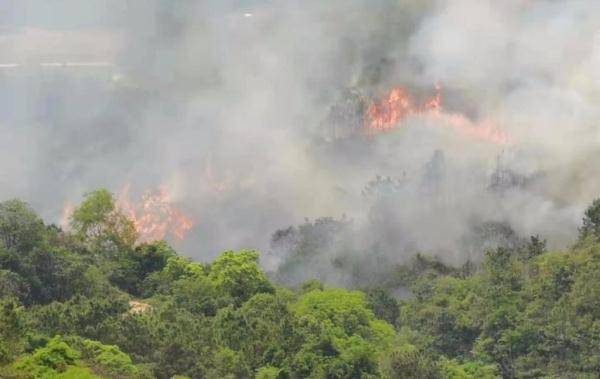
[99, 221]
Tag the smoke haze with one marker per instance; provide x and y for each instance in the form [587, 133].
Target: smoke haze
[246, 111]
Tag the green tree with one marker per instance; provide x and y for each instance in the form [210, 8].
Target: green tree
[46, 362]
[591, 221]
[407, 362]
[73, 357]
[238, 275]
[311, 285]
[345, 311]
[12, 329]
[99, 221]
[92, 318]
[269, 372]
[342, 338]
[198, 295]
[20, 227]
[171, 340]
[55, 274]
[108, 360]
[132, 267]
[534, 247]
[13, 285]
[229, 365]
[262, 330]
[383, 305]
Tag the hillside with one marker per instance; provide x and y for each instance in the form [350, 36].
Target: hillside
[93, 303]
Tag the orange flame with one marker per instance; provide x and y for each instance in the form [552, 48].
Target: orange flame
[389, 112]
[155, 217]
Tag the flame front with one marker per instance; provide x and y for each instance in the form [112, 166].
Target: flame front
[390, 110]
[389, 113]
[155, 217]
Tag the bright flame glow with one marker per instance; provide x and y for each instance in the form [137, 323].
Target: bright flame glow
[389, 113]
[154, 216]
[390, 110]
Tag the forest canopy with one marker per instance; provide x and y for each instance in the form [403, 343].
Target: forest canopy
[94, 302]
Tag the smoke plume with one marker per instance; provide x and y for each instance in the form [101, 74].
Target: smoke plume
[252, 116]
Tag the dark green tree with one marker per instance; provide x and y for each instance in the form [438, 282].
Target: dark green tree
[591, 221]
[20, 227]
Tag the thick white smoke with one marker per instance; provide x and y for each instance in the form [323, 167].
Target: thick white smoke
[227, 104]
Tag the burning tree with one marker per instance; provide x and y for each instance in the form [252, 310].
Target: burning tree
[155, 217]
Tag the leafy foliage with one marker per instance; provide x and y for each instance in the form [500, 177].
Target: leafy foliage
[94, 303]
[20, 228]
[98, 221]
[591, 221]
[237, 275]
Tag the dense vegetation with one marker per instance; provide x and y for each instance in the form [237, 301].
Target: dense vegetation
[94, 303]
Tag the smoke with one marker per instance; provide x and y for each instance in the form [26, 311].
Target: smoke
[246, 112]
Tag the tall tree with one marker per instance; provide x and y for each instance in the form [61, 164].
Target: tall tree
[20, 227]
[99, 221]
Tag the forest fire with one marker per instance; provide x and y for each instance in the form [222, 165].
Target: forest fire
[155, 217]
[389, 112]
